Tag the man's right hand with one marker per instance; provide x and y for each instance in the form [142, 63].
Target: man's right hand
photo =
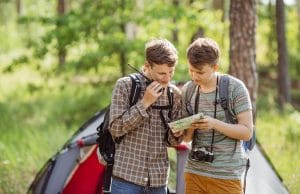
[153, 91]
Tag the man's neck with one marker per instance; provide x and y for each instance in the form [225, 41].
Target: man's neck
[209, 86]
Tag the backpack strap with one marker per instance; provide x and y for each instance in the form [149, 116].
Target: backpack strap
[106, 144]
[224, 101]
[168, 107]
[230, 118]
[136, 88]
[245, 176]
[107, 178]
[188, 96]
[170, 95]
[223, 98]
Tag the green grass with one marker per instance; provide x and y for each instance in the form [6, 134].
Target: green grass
[279, 135]
[38, 115]
[36, 120]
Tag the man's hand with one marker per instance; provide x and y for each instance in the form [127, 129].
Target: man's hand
[204, 124]
[153, 91]
[178, 133]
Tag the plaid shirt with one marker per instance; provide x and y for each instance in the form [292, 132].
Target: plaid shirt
[141, 157]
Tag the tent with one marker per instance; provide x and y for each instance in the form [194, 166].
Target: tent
[75, 168]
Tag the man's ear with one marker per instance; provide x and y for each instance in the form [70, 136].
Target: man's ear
[146, 64]
[216, 67]
[146, 67]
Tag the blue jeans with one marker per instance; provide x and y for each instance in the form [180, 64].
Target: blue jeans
[120, 186]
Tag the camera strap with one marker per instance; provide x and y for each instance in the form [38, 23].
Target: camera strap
[215, 109]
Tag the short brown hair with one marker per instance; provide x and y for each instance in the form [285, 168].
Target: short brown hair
[203, 51]
[161, 51]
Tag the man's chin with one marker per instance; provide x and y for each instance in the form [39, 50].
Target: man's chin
[196, 82]
[164, 84]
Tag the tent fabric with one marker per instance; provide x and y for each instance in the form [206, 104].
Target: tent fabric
[63, 165]
[75, 168]
[182, 156]
[89, 168]
[262, 177]
[54, 174]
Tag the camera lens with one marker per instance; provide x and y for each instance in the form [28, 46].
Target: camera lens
[202, 155]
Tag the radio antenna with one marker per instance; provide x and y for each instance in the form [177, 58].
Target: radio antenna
[135, 69]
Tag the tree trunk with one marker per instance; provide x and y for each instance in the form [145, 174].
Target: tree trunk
[198, 34]
[298, 14]
[19, 7]
[218, 4]
[61, 9]
[271, 53]
[122, 53]
[122, 63]
[242, 45]
[175, 30]
[282, 67]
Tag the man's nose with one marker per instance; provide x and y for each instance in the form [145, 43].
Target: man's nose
[167, 77]
[194, 75]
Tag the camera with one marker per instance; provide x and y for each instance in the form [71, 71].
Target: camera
[202, 155]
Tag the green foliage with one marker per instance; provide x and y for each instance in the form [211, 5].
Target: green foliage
[37, 117]
[172, 175]
[267, 43]
[292, 45]
[100, 27]
[266, 36]
[42, 103]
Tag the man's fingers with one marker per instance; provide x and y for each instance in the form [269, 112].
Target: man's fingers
[155, 86]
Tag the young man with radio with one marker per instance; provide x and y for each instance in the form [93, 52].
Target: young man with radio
[217, 159]
[141, 160]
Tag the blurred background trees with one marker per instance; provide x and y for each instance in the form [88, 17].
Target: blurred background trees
[84, 36]
[59, 60]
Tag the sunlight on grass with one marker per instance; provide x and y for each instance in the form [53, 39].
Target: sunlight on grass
[38, 115]
[279, 134]
[37, 118]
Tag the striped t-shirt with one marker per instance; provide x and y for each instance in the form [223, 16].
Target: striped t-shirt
[229, 162]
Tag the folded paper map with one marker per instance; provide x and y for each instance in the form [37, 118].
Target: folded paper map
[184, 123]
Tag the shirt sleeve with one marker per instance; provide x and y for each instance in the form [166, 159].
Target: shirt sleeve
[176, 114]
[186, 93]
[241, 99]
[124, 118]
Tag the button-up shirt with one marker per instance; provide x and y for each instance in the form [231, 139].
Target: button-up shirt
[141, 157]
